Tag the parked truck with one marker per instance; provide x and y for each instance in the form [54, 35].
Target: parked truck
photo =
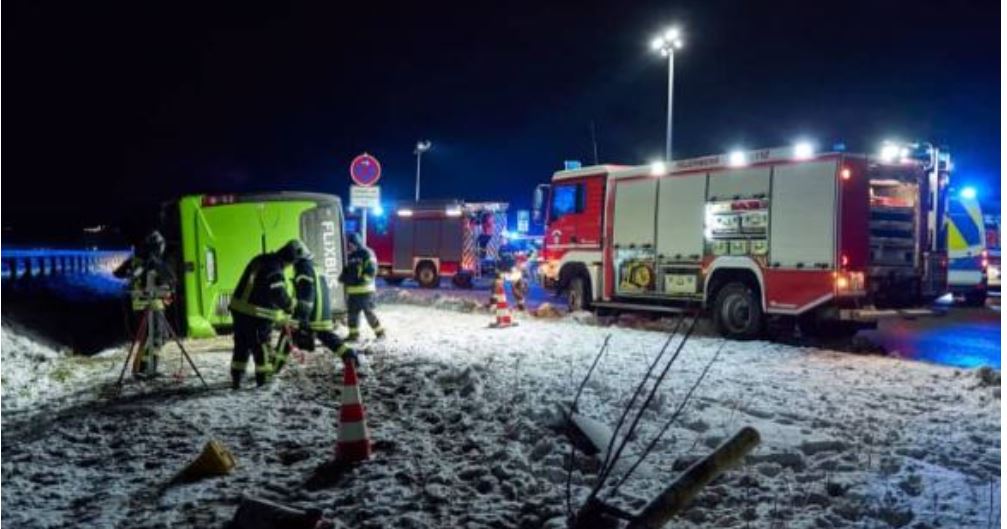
[832, 242]
[212, 237]
[430, 240]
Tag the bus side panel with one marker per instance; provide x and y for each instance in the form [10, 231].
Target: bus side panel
[227, 238]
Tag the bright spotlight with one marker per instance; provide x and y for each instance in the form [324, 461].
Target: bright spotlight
[736, 159]
[968, 193]
[657, 43]
[890, 152]
[378, 211]
[672, 34]
[405, 213]
[803, 150]
[658, 168]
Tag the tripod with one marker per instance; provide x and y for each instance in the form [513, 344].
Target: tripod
[147, 340]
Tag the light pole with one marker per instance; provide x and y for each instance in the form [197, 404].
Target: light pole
[666, 44]
[421, 147]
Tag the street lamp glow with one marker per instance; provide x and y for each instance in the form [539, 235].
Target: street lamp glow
[421, 147]
[658, 168]
[736, 159]
[665, 44]
[803, 150]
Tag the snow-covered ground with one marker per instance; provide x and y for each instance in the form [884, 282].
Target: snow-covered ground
[464, 423]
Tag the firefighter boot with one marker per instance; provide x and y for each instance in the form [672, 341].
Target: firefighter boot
[236, 379]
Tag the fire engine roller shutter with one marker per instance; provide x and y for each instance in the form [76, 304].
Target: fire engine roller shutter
[426, 237]
[403, 234]
[452, 236]
[744, 182]
[635, 201]
[802, 227]
[680, 217]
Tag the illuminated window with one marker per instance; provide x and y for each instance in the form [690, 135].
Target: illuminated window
[567, 199]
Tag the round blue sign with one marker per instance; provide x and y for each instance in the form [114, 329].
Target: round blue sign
[365, 170]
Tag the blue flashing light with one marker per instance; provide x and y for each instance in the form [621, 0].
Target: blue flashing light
[378, 211]
[968, 193]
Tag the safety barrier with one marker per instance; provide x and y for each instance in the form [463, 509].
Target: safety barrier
[28, 263]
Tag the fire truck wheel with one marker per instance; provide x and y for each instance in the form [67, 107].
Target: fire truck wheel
[426, 275]
[577, 296]
[737, 312]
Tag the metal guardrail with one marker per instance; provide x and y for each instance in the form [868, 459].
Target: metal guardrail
[29, 263]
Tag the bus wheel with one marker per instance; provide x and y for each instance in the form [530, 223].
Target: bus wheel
[426, 275]
[737, 312]
[577, 294]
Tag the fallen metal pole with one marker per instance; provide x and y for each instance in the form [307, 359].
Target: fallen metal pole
[674, 499]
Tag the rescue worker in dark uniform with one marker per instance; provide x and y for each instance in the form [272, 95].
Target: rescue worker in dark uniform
[358, 276]
[259, 302]
[151, 283]
[313, 315]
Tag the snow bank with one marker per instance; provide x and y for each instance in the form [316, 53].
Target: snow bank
[464, 423]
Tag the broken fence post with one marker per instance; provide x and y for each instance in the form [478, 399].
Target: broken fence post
[674, 499]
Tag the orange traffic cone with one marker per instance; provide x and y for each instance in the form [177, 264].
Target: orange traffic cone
[354, 440]
[503, 317]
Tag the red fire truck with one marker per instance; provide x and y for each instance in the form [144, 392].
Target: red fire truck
[832, 242]
[429, 240]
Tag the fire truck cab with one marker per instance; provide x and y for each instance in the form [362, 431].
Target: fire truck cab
[831, 241]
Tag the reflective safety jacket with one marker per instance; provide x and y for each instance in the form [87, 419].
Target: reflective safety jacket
[313, 303]
[358, 276]
[262, 290]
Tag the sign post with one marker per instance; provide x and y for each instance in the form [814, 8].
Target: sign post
[365, 170]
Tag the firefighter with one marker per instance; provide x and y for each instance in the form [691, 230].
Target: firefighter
[261, 301]
[313, 315]
[151, 282]
[358, 276]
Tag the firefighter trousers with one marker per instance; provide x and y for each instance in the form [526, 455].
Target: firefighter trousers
[357, 303]
[251, 339]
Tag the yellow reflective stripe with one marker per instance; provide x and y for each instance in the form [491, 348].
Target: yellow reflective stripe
[246, 308]
[321, 325]
[360, 289]
[278, 284]
[247, 287]
[266, 368]
[342, 349]
[238, 366]
[303, 277]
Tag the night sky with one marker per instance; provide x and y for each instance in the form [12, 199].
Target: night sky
[113, 108]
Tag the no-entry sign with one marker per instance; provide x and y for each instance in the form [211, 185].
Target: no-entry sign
[365, 170]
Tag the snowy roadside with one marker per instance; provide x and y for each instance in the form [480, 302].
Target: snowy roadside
[462, 416]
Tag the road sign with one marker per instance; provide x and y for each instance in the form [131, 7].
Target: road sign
[523, 220]
[365, 170]
[365, 197]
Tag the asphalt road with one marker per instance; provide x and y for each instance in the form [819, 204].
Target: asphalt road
[964, 337]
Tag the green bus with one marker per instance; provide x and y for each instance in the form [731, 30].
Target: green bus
[210, 239]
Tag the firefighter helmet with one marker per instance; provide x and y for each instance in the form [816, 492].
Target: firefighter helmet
[293, 251]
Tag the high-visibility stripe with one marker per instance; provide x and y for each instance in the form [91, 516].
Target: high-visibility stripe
[278, 284]
[361, 289]
[238, 366]
[324, 325]
[264, 368]
[303, 277]
[246, 308]
[342, 349]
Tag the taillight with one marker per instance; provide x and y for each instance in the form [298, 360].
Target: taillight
[849, 282]
[845, 173]
[985, 259]
[844, 260]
